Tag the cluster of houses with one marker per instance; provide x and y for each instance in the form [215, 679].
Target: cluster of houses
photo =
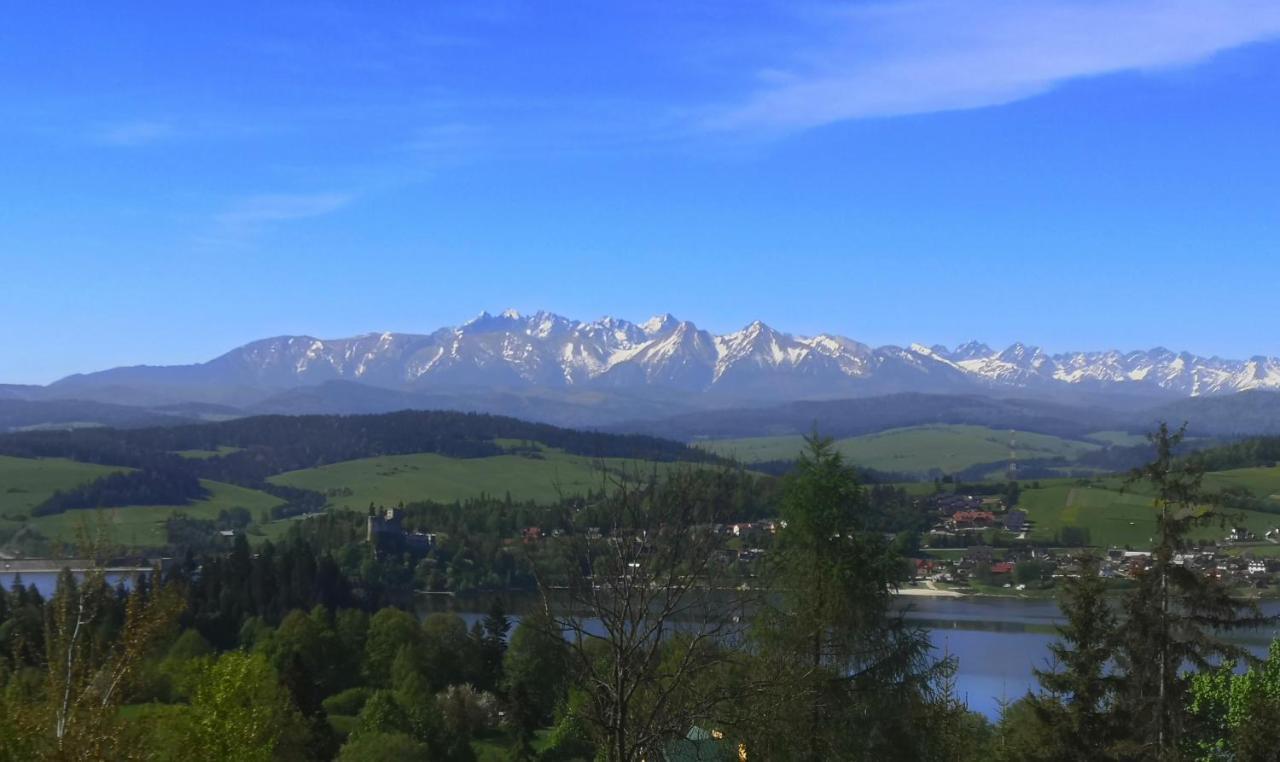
[998, 566]
[958, 514]
[1244, 569]
[965, 518]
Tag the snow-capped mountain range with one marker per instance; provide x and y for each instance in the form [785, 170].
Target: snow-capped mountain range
[511, 351]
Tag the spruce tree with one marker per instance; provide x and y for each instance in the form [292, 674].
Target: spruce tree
[853, 671]
[1080, 691]
[1174, 615]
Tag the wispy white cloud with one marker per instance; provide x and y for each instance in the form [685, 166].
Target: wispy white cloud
[255, 212]
[921, 56]
[134, 133]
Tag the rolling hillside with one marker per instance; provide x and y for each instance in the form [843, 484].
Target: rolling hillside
[393, 479]
[279, 467]
[1115, 516]
[144, 525]
[915, 450]
[27, 482]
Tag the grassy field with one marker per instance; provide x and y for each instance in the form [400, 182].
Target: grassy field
[1262, 482]
[27, 482]
[1115, 517]
[143, 525]
[1117, 438]
[917, 449]
[202, 454]
[393, 479]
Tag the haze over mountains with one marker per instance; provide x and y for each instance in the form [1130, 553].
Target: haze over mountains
[548, 367]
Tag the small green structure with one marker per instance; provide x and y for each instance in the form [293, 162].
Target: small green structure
[700, 745]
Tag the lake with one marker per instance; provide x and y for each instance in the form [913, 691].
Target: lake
[997, 642]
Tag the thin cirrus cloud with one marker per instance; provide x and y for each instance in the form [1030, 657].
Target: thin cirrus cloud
[256, 212]
[923, 56]
[134, 133]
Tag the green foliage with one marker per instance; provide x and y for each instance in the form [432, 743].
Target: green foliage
[449, 653]
[1174, 615]
[536, 668]
[1023, 735]
[493, 645]
[1235, 713]
[185, 662]
[382, 747]
[240, 711]
[1078, 704]
[382, 714]
[349, 702]
[311, 639]
[855, 673]
[389, 630]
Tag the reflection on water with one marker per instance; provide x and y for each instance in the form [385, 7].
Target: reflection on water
[997, 642]
[47, 582]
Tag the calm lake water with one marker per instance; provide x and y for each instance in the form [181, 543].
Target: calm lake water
[997, 642]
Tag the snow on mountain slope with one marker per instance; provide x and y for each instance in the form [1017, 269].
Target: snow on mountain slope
[547, 350]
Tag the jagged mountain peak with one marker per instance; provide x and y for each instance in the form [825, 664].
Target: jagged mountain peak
[544, 349]
[971, 350]
[659, 324]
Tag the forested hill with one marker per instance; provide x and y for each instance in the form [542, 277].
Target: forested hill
[1247, 453]
[246, 451]
[291, 442]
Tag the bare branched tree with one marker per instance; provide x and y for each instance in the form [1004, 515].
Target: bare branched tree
[95, 646]
[649, 607]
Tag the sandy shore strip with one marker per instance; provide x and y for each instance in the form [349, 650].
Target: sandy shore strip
[929, 590]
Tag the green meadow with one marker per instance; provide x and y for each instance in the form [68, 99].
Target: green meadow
[1119, 516]
[203, 454]
[143, 525]
[918, 449]
[393, 479]
[1117, 438]
[27, 482]
[1262, 482]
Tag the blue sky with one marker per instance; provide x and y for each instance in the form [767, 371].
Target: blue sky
[1080, 174]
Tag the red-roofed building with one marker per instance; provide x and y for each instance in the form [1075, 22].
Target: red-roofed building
[1003, 567]
[974, 518]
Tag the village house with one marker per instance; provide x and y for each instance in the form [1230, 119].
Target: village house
[973, 519]
[1240, 534]
[1015, 521]
[948, 505]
